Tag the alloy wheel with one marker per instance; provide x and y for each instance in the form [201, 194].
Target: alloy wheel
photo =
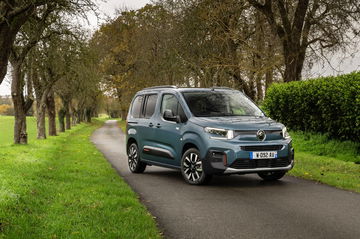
[192, 167]
[133, 157]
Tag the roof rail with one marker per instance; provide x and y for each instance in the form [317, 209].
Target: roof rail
[161, 87]
[221, 87]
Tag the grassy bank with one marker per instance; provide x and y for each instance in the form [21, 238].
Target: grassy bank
[62, 187]
[328, 161]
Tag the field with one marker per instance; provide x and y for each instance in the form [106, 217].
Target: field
[62, 187]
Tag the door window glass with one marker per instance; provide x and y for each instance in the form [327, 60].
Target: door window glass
[150, 105]
[170, 102]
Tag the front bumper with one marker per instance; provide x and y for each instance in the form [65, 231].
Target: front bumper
[231, 158]
[229, 170]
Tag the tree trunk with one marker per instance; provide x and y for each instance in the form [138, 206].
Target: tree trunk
[50, 105]
[78, 116]
[20, 135]
[294, 57]
[41, 112]
[259, 61]
[67, 120]
[40, 119]
[269, 75]
[66, 108]
[123, 114]
[88, 113]
[73, 116]
[61, 115]
[292, 60]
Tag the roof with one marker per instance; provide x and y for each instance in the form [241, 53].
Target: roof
[167, 87]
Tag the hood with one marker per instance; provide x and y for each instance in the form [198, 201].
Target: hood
[238, 122]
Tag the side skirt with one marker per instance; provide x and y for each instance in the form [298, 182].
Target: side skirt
[161, 164]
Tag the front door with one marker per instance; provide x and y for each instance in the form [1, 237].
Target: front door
[168, 133]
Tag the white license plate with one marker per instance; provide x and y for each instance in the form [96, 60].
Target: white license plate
[263, 155]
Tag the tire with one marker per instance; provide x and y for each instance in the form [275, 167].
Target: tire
[191, 168]
[272, 176]
[135, 165]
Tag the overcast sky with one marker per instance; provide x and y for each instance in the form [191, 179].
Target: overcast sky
[341, 64]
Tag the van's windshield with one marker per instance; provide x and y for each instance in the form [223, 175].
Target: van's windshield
[220, 103]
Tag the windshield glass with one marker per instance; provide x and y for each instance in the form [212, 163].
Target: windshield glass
[220, 103]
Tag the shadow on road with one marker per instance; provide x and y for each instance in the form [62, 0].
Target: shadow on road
[240, 181]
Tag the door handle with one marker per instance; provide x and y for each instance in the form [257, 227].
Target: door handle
[151, 125]
[158, 126]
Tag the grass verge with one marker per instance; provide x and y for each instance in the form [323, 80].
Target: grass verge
[62, 187]
[122, 125]
[326, 160]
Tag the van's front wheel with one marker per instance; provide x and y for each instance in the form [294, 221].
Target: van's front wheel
[191, 168]
[135, 165]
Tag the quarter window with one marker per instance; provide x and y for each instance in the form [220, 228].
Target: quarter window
[136, 107]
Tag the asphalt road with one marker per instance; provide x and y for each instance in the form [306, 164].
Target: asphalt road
[235, 206]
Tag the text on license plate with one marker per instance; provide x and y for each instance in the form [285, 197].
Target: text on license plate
[263, 155]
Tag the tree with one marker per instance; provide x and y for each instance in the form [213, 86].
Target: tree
[15, 13]
[40, 25]
[78, 88]
[302, 24]
[31, 33]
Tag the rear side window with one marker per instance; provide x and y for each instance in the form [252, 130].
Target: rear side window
[150, 105]
[136, 107]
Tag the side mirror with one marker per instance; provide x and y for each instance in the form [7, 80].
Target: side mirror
[169, 115]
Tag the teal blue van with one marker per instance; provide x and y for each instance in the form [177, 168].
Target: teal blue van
[204, 132]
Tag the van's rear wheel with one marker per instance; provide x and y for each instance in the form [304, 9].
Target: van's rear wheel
[135, 165]
[191, 168]
[272, 175]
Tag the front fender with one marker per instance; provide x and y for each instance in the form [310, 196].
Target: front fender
[195, 139]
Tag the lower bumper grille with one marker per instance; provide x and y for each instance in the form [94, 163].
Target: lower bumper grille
[260, 163]
[261, 147]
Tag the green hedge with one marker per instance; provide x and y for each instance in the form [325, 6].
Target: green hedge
[328, 105]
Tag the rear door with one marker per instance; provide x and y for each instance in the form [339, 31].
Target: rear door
[148, 128]
[136, 122]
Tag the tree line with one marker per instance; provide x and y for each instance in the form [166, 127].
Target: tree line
[50, 60]
[244, 44]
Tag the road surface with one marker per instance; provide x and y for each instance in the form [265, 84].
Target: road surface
[235, 206]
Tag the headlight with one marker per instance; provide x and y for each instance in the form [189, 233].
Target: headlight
[219, 133]
[285, 133]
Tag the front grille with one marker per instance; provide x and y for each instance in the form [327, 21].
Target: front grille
[260, 163]
[261, 147]
[253, 132]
